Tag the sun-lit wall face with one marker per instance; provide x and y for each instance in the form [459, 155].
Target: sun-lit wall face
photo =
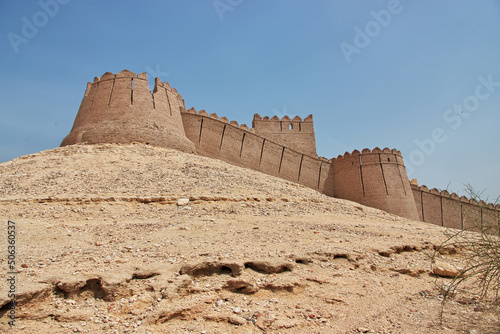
[292, 133]
[121, 109]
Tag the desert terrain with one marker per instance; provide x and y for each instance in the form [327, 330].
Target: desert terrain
[139, 239]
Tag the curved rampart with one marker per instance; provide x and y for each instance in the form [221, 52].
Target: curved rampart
[449, 210]
[218, 138]
[121, 109]
[375, 178]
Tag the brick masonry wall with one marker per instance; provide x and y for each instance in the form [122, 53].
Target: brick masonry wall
[375, 178]
[296, 134]
[241, 146]
[448, 210]
[121, 109]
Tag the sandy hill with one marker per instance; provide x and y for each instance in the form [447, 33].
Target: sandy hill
[138, 239]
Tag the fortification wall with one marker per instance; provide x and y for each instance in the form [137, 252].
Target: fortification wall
[449, 210]
[375, 178]
[121, 109]
[218, 138]
[296, 134]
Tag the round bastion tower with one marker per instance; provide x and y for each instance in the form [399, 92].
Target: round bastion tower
[375, 178]
[121, 109]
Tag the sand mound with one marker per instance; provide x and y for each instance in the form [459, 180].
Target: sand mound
[108, 170]
[104, 245]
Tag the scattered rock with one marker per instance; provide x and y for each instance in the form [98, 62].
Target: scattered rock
[444, 269]
[413, 272]
[284, 323]
[183, 201]
[448, 290]
[237, 320]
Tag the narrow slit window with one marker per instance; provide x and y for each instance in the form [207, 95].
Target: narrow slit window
[132, 92]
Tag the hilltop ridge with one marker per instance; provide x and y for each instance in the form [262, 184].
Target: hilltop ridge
[104, 245]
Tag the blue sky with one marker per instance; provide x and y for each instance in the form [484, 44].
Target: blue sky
[373, 73]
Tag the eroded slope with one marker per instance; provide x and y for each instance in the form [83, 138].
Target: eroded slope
[104, 247]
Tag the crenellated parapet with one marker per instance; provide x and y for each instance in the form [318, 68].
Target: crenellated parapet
[450, 210]
[120, 108]
[237, 144]
[375, 178]
[294, 133]
[285, 124]
[173, 96]
[206, 130]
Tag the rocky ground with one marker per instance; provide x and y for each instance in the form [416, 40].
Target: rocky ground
[137, 239]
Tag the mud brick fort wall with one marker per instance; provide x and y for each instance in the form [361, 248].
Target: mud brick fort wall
[241, 146]
[448, 210]
[292, 133]
[375, 178]
[121, 109]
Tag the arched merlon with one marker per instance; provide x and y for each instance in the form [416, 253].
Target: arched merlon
[449, 210]
[216, 138]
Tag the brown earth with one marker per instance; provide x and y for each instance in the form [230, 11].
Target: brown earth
[105, 246]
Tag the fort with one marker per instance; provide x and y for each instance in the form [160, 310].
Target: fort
[121, 109]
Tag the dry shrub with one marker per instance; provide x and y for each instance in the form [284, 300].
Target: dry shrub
[480, 249]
